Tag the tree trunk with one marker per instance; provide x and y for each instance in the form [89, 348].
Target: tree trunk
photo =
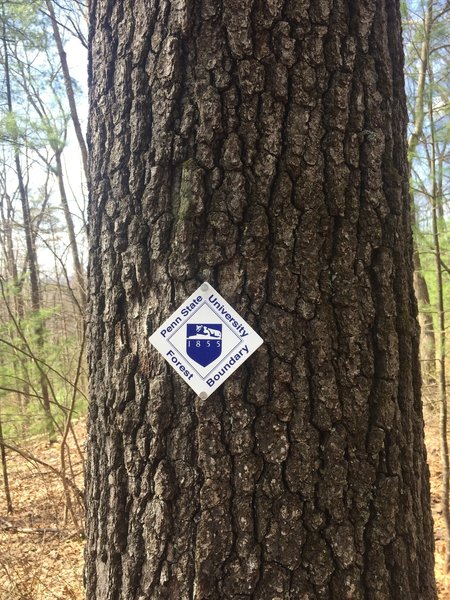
[15, 301]
[9, 505]
[262, 147]
[31, 250]
[427, 339]
[427, 334]
[436, 200]
[68, 85]
[70, 230]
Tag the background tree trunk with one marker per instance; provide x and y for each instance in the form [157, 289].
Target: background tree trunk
[31, 252]
[70, 230]
[9, 504]
[428, 339]
[427, 334]
[436, 200]
[260, 146]
[68, 85]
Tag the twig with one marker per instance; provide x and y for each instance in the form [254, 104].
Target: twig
[34, 459]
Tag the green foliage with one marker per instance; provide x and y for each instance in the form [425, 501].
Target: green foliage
[39, 349]
[430, 182]
[40, 113]
[429, 267]
[8, 126]
[30, 349]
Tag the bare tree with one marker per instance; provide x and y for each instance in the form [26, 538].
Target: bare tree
[428, 343]
[31, 250]
[9, 505]
[436, 207]
[68, 84]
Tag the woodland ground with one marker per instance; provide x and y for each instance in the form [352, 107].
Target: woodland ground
[42, 559]
[434, 461]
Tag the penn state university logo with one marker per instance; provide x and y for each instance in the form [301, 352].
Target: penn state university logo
[204, 342]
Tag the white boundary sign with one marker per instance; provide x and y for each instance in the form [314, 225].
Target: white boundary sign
[205, 340]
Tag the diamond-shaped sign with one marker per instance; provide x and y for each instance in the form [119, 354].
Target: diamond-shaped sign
[205, 340]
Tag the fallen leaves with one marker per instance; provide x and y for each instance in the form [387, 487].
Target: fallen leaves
[41, 551]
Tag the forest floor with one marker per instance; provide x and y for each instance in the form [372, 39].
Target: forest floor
[41, 550]
[432, 436]
[41, 556]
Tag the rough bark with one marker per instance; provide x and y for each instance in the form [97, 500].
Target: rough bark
[260, 146]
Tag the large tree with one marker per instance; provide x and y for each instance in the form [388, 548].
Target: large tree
[260, 145]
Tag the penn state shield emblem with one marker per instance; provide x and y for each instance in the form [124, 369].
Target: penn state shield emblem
[204, 342]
